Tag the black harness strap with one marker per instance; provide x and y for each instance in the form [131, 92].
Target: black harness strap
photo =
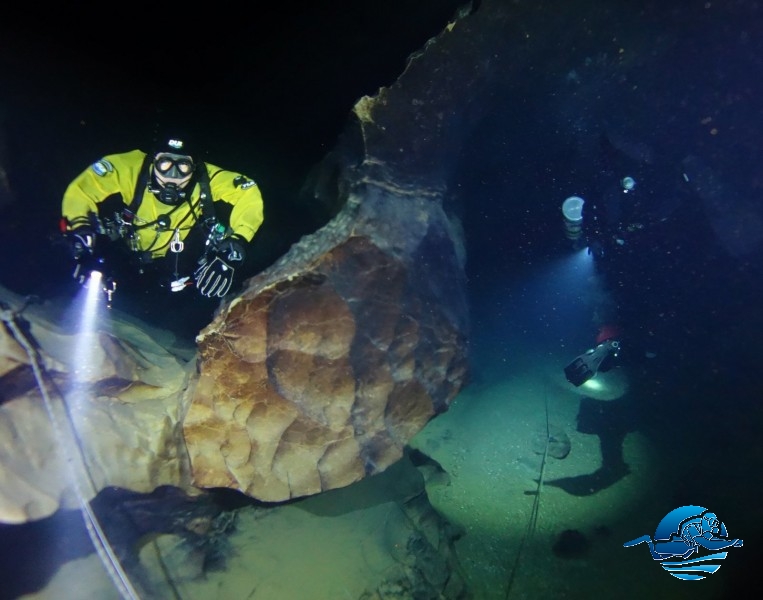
[140, 186]
[205, 194]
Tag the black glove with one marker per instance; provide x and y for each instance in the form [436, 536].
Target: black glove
[82, 247]
[81, 242]
[214, 276]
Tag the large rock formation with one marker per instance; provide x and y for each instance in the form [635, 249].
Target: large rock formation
[324, 368]
[321, 371]
[83, 410]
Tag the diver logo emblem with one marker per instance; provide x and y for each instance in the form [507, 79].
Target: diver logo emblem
[681, 534]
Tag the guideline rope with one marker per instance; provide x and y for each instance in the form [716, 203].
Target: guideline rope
[66, 434]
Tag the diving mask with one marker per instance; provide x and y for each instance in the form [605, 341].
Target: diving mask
[173, 168]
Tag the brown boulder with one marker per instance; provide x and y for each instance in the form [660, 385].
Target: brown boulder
[329, 362]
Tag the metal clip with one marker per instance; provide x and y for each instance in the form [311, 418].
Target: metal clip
[109, 287]
[179, 284]
[176, 245]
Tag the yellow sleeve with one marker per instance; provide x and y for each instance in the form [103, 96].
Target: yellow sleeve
[243, 194]
[112, 174]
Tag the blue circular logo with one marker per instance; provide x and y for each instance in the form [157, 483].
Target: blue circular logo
[686, 542]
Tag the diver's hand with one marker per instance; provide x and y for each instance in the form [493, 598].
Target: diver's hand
[214, 276]
[81, 242]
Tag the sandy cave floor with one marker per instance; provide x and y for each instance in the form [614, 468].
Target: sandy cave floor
[340, 544]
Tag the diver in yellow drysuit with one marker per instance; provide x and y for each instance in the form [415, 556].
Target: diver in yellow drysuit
[165, 207]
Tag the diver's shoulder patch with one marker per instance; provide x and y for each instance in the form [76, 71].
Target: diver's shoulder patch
[243, 182]
[102, 167]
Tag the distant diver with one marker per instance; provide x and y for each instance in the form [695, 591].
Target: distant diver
[599, 358]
